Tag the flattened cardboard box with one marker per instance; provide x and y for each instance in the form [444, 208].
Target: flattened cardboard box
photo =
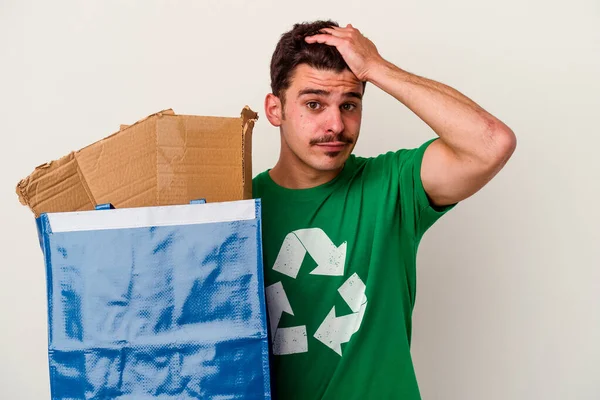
[163, 159]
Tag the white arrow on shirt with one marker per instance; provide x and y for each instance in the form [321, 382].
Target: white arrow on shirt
[334, 331]
[329, 258]
[285, 340]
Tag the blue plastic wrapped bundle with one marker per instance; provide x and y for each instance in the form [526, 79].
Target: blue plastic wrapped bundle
[157, 302]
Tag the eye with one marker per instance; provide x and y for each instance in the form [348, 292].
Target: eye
[348, 107]
[313, 105]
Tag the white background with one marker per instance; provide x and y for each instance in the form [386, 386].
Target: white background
[508, 303]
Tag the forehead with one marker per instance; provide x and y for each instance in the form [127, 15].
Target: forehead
[307, 77]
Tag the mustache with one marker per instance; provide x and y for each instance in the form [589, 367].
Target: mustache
[331, 138]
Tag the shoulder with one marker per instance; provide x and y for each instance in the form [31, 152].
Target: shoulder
[258, 183]
[392, 162]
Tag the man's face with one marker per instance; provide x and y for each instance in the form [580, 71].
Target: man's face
[322, 117]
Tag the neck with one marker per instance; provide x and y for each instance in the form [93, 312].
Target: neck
[292, 173]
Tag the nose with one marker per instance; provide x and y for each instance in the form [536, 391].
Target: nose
[334, 122]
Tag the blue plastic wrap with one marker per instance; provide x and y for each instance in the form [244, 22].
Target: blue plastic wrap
[156, 312]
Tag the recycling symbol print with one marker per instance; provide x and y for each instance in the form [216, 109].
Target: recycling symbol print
[330, 259]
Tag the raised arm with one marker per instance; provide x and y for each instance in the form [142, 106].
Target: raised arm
[473, 146]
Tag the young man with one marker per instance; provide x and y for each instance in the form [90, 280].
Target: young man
[341, 232]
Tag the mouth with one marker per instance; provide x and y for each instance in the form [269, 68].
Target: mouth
[332, 147]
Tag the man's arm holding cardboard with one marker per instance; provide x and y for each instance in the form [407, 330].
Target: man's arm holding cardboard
[474, 145]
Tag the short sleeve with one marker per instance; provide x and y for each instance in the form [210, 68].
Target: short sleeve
[417, 211]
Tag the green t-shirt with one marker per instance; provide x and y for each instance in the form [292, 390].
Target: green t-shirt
[340, 278]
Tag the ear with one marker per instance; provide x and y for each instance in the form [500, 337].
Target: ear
[273, 109]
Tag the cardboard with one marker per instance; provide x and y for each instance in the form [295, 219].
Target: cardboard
[163, 159]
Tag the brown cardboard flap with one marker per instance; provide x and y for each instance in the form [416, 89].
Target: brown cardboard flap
[249, 118]
[55, 186]
[162, 159]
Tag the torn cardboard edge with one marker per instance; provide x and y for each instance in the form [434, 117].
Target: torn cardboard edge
[162, 159]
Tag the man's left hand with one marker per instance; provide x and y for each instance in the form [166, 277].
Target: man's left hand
[359, 52]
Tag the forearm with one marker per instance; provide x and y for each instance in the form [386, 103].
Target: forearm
[464, 126]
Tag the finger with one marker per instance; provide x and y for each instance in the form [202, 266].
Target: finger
[354, 31]
[326, 39]
[335, 32]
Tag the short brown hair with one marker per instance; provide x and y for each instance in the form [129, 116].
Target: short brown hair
[292, 50]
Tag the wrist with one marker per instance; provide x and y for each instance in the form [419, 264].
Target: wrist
[382, 70]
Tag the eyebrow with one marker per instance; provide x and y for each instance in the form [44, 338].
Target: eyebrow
[321, 92]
